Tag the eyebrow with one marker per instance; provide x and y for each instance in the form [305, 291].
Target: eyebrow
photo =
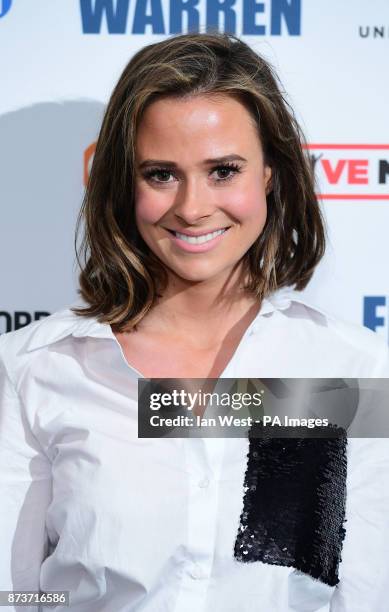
[171, 164]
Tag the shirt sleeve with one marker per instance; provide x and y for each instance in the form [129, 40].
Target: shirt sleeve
[25, 492]
[364, 570]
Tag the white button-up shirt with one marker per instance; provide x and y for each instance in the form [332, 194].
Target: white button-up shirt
[149, 525]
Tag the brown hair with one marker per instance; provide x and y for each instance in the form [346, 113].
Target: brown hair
[119, 271]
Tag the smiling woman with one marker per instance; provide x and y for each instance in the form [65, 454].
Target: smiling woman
[198, 137]
[200, 229]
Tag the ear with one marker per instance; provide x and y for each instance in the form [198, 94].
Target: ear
[268, 179]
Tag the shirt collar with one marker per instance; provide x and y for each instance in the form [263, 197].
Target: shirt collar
[64, 323]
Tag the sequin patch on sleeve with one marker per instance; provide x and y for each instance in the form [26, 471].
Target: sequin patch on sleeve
[294, 504]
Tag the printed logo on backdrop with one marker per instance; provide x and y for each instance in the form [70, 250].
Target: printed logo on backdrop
[10, 321]
[88, 159]
[272, 17]
[351, 171]
[376, 313]
[373, 31]
[5, 5]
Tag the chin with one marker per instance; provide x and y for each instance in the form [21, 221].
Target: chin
[199, 276]
[193, 277]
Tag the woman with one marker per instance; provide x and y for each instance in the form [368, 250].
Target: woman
[201, 226]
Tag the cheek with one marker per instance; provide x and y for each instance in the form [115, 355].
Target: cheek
[150, 206]
[248, 203]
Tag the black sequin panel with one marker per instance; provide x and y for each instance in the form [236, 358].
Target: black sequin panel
[294, 504]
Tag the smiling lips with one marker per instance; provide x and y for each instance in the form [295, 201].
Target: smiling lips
[199, 239]
[192, 238]
[197, 243]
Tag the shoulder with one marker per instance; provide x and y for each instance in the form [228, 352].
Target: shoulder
[347, 331]
[332, 335]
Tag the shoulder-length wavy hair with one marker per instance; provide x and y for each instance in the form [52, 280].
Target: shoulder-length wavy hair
[119, 273]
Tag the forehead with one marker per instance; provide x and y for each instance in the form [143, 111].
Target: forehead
[205, 123]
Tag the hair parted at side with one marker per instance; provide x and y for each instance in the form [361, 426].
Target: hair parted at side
[119, 273]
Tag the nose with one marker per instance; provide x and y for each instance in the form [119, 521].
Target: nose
[193, 201]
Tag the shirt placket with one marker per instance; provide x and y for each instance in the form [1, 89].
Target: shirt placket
[203, 460]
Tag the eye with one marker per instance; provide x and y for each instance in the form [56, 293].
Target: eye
[161, 175]
[157, 172]
[230, 168]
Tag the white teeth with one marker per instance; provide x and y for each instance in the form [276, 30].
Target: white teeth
[199, 239]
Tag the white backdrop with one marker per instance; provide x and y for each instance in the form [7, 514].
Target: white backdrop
[332, 57]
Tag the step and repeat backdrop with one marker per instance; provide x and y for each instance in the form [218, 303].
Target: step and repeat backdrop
[60, 62]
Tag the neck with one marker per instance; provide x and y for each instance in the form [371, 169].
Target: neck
[201, 309]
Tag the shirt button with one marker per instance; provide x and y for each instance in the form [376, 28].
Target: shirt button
[197, 572]
[203, 483]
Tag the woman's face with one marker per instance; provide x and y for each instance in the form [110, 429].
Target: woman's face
[201, 185]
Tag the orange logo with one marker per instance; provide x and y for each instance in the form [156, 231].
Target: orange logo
[88, 159]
